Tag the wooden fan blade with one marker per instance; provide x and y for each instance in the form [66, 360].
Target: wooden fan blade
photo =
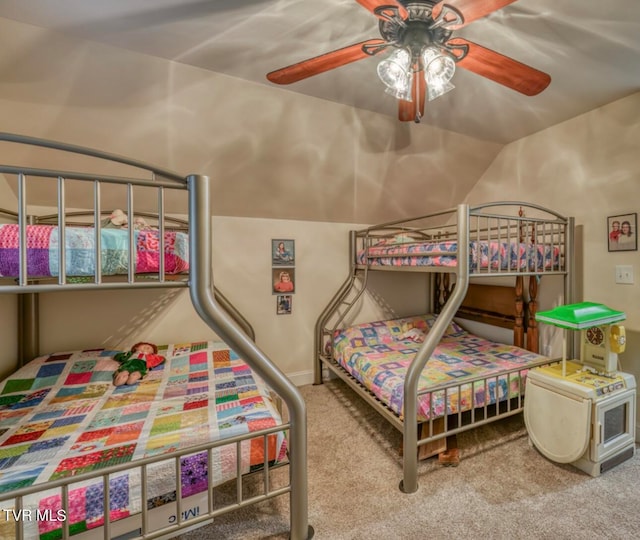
[322, 63]
[371, 5]
[501, 69]
[471, 9]
[412, 111]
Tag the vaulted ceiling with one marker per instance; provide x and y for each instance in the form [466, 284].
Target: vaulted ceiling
[591, 51]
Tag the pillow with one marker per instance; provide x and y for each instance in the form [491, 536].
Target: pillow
[414, 334]
[424, 323]
[401, 238]
[387, 331]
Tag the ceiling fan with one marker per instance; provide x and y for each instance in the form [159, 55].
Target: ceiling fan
[424, 53]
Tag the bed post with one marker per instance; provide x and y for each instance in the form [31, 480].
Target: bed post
[28, 327]
[532, 325]
[435, 292]
[518, 327]
[442, 292]
[201, 290]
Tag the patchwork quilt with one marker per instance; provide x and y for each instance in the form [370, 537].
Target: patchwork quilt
[43, 257]
[61, 416]
[482, 255]
[378, 354]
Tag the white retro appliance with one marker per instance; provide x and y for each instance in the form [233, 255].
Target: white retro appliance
[583, 411]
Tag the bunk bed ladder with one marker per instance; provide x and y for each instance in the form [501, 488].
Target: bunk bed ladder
[335, 312]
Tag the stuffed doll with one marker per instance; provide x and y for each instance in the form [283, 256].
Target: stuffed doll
[117, 220]
[135, 364]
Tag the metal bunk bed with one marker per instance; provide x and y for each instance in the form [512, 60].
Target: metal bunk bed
[460, 243]
[219, 314]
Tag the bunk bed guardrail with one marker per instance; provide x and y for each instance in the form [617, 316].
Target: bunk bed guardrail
[28, 302]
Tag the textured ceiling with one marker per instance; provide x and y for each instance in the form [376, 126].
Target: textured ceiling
[591, 50]
[272, 151]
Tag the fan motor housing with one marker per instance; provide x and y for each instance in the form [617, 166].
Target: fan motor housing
[416, 31]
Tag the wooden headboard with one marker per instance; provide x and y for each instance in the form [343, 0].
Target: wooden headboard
[490, 304]
[500, 306]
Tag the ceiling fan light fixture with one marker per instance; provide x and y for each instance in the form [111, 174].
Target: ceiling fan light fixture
[438, 67]
[402, 91]
[417, 35]
[435, 90]
[395, 73]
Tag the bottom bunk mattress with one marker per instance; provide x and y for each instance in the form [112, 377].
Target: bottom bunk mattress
[61, 415]
[377, 354]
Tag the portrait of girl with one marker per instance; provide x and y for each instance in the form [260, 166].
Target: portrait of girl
[283, 280]
[282, 252]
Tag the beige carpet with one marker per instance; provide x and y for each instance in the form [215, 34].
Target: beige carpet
[503, 488]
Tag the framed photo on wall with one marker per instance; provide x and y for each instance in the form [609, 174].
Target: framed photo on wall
[283, 304]
[283, 280]
[622, 234]
[283, 252]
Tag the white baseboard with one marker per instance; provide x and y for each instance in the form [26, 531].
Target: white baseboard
[301, 378]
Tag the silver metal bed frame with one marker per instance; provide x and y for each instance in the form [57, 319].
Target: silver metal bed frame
[502, 222]
[209, 303]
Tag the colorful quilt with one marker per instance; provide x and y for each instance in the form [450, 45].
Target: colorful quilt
[482, 255]
[378, 354]
[61, 416]
[43, 258]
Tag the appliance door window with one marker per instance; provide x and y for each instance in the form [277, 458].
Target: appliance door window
[615, 425]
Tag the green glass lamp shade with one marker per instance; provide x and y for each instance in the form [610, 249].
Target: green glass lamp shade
[580, 316]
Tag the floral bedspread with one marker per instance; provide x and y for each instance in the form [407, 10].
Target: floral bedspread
[378, 354]
[482, 255]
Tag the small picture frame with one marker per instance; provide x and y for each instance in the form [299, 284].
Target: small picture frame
[622, 234]
[283, 280]
[284, 303]
[283, 252]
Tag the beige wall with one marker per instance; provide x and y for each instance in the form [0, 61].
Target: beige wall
[587, 167]
[242, 270]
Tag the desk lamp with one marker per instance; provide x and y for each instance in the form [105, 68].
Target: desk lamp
[601, 339]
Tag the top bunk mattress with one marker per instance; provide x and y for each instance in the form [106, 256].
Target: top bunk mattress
[483, 255]
[43, 251]
[378, 354]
